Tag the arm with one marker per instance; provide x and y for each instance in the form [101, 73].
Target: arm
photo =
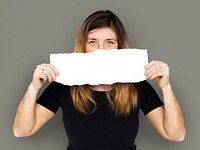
[31, 116]
[168, 120]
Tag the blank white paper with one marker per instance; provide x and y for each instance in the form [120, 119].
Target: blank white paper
[100, 66]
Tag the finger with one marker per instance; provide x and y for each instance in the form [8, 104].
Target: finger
[52, 67]
[152, 66]
[151, 73]
[161, 71]
[49, 70]
[154, 74]
[50, 74]
[39, 76]
[43, 77]
[44, 73]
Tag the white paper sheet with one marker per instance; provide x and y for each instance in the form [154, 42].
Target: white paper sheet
[100, 66]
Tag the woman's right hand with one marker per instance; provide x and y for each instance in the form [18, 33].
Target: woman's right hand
[31, 116]
[42, 73]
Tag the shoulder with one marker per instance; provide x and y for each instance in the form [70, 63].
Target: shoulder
[54, 93]
[56, 87]
[147, 97]
[146, 92]
[143, 86]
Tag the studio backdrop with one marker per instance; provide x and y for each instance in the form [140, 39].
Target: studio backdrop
[30, 30]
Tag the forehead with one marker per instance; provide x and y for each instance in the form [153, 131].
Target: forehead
[102, 33]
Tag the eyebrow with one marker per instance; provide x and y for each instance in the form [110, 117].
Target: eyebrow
[111, 39]
[91, 39]
[105, 39]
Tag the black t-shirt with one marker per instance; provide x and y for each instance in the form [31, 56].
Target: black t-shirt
[101, 130]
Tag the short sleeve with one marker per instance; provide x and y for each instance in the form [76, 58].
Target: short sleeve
[148, 98]
[48, 98]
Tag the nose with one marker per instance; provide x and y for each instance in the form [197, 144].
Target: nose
[101, 45]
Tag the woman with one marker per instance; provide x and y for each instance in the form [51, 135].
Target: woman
[101, 116]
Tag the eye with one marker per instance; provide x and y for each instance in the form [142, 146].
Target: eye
[92, 42]
[110, 43]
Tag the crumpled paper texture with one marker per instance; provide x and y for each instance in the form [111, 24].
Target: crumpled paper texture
[101, 66]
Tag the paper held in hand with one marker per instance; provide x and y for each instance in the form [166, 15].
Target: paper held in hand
[100, 66]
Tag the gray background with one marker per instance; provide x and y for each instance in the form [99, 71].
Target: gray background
[32, 29]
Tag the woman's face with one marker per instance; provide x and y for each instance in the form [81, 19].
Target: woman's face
[103, 38]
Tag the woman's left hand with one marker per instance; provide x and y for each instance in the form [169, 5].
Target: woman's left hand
[159, 71]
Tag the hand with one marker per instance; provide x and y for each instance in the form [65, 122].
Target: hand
[159, 71]
[43, 73]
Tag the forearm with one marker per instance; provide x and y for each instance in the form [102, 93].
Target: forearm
[173, 117]
[25, 115]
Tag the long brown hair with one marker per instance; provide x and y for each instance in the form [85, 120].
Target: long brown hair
[123, 97]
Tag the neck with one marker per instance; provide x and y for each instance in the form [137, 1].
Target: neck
[101, 87]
